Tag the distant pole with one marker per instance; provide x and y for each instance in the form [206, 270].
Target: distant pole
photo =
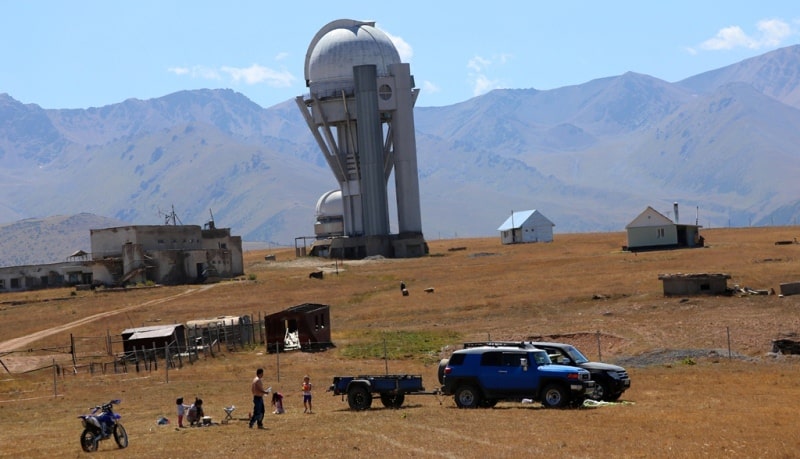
[166, 361]
[55, 381]
[278, 360]
[385, 357]
[728, 329]
[599, 353]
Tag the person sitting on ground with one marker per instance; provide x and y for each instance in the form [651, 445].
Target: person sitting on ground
[277, 402]
[195, 413]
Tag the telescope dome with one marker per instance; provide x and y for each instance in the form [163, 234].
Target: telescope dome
[338, 47]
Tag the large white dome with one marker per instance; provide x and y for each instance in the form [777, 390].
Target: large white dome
[340, 46]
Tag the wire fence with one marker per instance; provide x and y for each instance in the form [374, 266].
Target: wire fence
[119, 355]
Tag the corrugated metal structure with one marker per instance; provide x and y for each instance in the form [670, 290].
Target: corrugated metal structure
[305, 326]
[526, 226]
[157, 336]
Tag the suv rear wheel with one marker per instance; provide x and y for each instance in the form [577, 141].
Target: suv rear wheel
[467, 397]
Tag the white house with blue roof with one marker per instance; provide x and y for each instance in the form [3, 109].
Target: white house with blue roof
[526, 226]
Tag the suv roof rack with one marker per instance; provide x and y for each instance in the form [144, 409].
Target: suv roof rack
[519, 344]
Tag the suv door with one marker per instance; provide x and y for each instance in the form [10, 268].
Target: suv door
[503, 372]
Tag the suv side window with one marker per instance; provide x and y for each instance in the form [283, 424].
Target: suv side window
[513, 359]
[456, 359]
[492, 359]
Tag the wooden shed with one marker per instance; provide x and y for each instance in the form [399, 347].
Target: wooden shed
[158, 336]
[305, 326]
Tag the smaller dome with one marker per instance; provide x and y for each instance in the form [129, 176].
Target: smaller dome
[330, 205]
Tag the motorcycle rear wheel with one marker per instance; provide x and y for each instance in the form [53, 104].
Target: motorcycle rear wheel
[120, 436]
[88, 441]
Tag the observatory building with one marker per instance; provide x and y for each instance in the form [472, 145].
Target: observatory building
[360, 111]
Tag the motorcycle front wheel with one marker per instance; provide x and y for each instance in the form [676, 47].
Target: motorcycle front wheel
[120, 436]
[89, 441]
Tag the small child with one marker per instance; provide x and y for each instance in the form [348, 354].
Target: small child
[277, 402]
[181, 411]
[307, 386]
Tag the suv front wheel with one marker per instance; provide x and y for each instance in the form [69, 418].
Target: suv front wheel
[467, 397]
[554, 396]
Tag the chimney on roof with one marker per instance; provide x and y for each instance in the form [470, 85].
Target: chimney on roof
[675, 209]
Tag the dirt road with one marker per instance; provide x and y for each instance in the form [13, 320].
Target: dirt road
[21, 342]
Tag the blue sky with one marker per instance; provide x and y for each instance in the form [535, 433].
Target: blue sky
[80, 54]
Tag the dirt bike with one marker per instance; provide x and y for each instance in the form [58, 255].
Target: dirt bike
[101, 424]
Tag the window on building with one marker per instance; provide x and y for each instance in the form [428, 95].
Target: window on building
[2, 284]
[14, 283]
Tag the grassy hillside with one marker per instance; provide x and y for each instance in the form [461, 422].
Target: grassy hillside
[581, 289]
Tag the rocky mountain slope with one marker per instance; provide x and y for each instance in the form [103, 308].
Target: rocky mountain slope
[590, 157]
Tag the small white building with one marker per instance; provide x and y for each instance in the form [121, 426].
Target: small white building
[526, 226]
[652, 230]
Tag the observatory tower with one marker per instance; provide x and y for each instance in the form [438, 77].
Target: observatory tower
[360, 111]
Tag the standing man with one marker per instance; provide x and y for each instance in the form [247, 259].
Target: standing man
[257, 387]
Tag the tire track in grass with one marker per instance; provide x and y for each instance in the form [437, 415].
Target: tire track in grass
[404, 446]
[21, 342]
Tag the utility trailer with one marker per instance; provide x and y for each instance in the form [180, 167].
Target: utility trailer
[391, 389]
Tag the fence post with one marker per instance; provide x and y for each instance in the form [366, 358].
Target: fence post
[72, 351]
[55, 381]
[166, 361]
[385, 357]
[260, 330]
[599, 353]
[266, 334]
[155, 357]
[730, 355]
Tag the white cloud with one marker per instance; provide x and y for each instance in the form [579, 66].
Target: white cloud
[403, 48]
[430, 87]
[770, 33]
[178, 70]
[197, 71]
[281, 56]
[256, 74]
[479, 68]
[478, 63]
[774, 31]
[481, 84]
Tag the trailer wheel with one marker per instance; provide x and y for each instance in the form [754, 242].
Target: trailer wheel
[393, 400]
[359, 398]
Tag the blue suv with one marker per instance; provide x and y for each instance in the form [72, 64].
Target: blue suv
[484, 373]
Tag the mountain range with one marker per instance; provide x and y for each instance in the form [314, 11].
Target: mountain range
[591, 157]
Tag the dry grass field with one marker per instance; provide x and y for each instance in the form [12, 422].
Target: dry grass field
[690, 402]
